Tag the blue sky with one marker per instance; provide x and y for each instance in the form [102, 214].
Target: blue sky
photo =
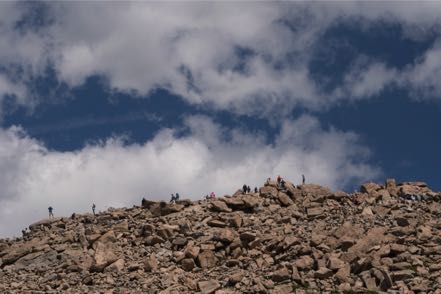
[112, 102]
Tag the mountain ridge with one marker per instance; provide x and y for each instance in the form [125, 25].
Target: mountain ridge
[282, 239]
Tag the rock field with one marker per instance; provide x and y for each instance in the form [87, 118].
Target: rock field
[295, 239]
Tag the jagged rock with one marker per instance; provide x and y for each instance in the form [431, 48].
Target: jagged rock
[220, 206]
[216, 223]
[104, 255]
[304, 263]
[367, 211]
[334, 263]
[269, 191]
[207, 259]
[314, 212]
[207, 287]
[117, 266]
[151, 263]
[247, 237]
[369, 188]
[281, 275]
[279, 240]
[192, 251]
[402, 275]
[225, 235]
[284, 199]
[152, 240]
[188, 264]
[323, 273]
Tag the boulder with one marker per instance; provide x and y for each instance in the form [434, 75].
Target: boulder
[104, 256]
[284, 199]
[207, 259]
[220, 206]
[207, 287]
[369, 188]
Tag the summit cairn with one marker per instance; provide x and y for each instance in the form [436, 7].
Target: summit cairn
[281, 239]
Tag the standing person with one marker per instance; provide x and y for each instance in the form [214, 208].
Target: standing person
[93, 208]
[51, 213]
[303, 179]
[279, 179]
[172, 199]
[248, 189]
[244, 188]
[255, 190]
[177, 197]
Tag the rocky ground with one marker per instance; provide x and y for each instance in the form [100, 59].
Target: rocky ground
[300, 239]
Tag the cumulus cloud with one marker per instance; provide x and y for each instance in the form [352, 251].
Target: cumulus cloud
[209, 158]
[230, 56]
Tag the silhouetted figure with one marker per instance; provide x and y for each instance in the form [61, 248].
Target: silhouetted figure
[256, 190]
[172, 199]
[303, 179]
[93, 208]
[248, 189]
[51, 212]
[177, 197]
[279, 179]
[73, 216]
[244, 188]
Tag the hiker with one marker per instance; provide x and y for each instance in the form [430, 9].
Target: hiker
[51, 214]
[172, 198]
[279, 179]
[249, 189]
[255, 190]
[177, 197]
[244, 188]
[212, 195]
[93, 208]
[303, 179]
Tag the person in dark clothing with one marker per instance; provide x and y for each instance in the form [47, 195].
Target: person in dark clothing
[256, 190]
[51, 213]
[244, 189]
[248, 189]
[303, 179]
[177, 197]
[93, 208]
[172, 198]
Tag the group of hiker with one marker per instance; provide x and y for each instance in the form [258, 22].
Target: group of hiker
[174, 198]
[51, 211]
[210, 197]
[246, 189]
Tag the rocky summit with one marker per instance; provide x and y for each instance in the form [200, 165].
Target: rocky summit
[290, 239]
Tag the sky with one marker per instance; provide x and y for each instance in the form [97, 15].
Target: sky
[110, 102]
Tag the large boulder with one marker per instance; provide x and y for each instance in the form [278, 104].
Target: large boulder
[369, 188]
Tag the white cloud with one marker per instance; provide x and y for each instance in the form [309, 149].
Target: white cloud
[116, 174]
[191, 49]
